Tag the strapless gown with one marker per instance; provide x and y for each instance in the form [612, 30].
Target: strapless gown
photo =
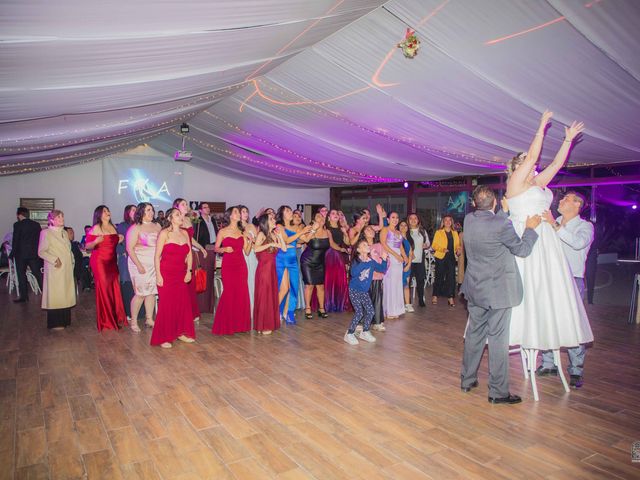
[551, 314]
[144, 284]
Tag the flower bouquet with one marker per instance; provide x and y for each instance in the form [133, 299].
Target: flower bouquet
[410, 44]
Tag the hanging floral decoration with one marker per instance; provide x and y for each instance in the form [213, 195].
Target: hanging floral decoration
[410, 44]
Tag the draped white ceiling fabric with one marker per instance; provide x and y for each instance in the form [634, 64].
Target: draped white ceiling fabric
[316, 92]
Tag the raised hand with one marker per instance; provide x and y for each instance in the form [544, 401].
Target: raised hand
[576, 128]
[533, 222]
[546, 117]
[547, 216]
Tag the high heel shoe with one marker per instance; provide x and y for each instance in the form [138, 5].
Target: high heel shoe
[149, 322]
[134, 326]
[323, 314]
[308, 315]
[451, 303]
[291, 319]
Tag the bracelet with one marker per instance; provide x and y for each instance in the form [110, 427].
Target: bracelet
[568, 141]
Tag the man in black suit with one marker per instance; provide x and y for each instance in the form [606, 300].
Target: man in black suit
[24, 249]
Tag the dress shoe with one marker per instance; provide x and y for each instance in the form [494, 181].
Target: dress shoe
[510, 399]
[545, 372]
[470, 387]
[576, 381]
[20, 300]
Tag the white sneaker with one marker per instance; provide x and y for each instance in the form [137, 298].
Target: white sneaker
[359, 329]
[185, 339]
[409, 308]
[166, 345]
[367, 337]
[350, 338]
[379, 327]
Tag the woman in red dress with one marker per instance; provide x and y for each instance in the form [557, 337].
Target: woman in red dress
[173, 259]
[266, 315]
[103, 239]
[182, 205]
[233, 313]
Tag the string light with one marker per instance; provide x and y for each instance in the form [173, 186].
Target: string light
[275, 166]
[198, 101]
[94, 154]
[316, 163]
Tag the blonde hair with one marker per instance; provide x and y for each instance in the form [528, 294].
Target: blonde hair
[52, 215]
[515, 162]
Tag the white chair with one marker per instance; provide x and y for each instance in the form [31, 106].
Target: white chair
[12, 279]
[430, 273]
[529, 361]
[33, 283]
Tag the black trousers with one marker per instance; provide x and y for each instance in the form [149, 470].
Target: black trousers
[419, 273]
[375, 292]
[35, 264]
[444, 284]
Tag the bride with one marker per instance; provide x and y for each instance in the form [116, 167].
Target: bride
[551, 314]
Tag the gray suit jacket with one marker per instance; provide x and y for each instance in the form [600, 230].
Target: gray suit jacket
[490, 242]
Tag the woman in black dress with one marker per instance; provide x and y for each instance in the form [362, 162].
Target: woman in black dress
[318, 241]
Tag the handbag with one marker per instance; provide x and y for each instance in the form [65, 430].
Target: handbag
[200, 276]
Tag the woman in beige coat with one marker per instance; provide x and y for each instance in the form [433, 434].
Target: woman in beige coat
[58, 291]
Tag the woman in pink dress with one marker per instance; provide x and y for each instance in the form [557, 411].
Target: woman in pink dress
[266, 315]
[233, 313]
[182, 205]
[173, 273]
[141, 247]
[102, 240]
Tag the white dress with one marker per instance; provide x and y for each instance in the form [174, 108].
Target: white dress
[551, 314]
[252, 265]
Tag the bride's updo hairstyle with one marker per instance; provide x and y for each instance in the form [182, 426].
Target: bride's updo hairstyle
[515, 162]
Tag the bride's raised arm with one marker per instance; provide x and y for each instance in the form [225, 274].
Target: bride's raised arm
[518, 176]
[543, 179]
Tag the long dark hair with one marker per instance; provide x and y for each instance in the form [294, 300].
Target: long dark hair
[355, 256]
[263, 226]
[280, 215]
[421, 229]
[166, 221]
[408, 238]
[97, 215]
[140, 212]
[227, 217]
[126, 218]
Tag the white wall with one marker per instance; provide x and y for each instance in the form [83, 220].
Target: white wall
[78, 190]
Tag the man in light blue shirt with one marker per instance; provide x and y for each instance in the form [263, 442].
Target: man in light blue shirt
[576, 235]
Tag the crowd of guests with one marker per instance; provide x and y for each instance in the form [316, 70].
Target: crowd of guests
[273, 266]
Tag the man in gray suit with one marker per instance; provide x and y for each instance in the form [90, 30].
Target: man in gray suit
[491, 286]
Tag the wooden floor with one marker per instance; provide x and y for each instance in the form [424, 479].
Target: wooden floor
[302, 404]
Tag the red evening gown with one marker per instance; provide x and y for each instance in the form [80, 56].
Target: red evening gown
[265, 304]
[233, 313]
[175, 316]
[193, 296]
[104, 265]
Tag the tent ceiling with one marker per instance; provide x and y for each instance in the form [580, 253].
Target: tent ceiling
[316, 93]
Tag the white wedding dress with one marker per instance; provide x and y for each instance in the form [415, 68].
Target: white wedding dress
[551, 314]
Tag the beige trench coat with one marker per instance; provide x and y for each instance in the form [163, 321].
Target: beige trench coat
[58, 286]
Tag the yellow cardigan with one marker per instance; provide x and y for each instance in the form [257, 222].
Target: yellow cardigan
[439, 243]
